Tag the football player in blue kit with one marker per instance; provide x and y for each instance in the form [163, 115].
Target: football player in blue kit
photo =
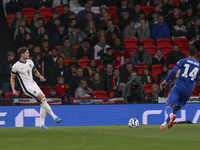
[184, 84]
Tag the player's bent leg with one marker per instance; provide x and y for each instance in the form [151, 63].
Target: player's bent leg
[171, 122]
[169, 111]
[46, 107]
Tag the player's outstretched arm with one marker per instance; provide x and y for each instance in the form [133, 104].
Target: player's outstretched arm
[12, 83]
[36, 72]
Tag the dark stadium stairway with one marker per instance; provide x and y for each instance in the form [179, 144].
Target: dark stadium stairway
[6, 38]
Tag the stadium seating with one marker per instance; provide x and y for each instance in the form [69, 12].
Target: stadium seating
[172, 65]
[111, 94]
[148, 89]
[176, 2]
[76, 48]
[83, 62]
[29, 17]
[45, 89]
[130, 48]
[163, 41]
[9, 17]
[198, 87]
[140, 68]
[59, 10]
[130, 41]
[100, 67]
[100, 94]
[151, 48]
[194, 93]
[155, 71]
[8, 95]
[28, 11]
[67, 61]
[182, 42]
[58, 48]
[146, 41]
[147, 9]
[46, 12]
[112, 12]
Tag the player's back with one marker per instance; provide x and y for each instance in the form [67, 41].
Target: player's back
[190, 70]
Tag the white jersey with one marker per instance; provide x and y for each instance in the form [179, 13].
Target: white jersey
[25, 77]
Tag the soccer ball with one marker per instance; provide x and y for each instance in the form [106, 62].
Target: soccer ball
[133, 123]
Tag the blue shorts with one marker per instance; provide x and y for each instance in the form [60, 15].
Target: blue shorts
[179, 96]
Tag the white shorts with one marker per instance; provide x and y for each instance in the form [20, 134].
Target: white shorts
[32, 91]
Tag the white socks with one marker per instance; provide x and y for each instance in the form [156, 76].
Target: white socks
[44, 109]
[43, 114]
[164, 124]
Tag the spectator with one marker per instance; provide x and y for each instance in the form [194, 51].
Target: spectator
[74, 81]
[91, 31]
[143, 31]
[120, 90]
[50, 23]
[102, 24]
[142, 16]
[77, 36]
[42, 3]
[179, 31]
[21, 37]
[137, 10]
[72, 15]
[22, 23]
[112, 29]
[164, 69]
[146, 2]
[188, 16]
[83, 90]
[1, 96]
[107, 58]
[85, 51]
[157, 10]
[194, 30]
[172, 19]
[155, 93]
[153, 21]
[36, 49]
[39, 23]
[122, 68]
[13, 6]
[100, 47]
[64, 16]
[59, 37]
[19, 91]
[111, 40]
[124, 21]
[61, 87]
[38, 36]
[43, 67]
[103, 10]
[123, 7]
[158, 58]
[59, 3]
[147, 77]
[54, 26]
[91, 69]
[67, 50]
[168, 7]
[81, 16]
[97, 83]
[5, 71]
[115, 82]
[52, 59]
[33, 21]
[174, 56]
[183, 5]
[59, 70]
[126, 73]
[53, 93]
[72, 23]
[130, 30]
[141, 56]
[65, 99]
[134, 91]
[15, 21]
[45, 48]
[160, 29]
[85, 22]
[29, 42]
[74, 63]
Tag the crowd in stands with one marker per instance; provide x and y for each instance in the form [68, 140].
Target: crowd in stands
[84, 52]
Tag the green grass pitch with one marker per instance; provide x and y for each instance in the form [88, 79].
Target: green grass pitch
[113, 137]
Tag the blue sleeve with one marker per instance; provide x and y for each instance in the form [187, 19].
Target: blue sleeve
[171, 74]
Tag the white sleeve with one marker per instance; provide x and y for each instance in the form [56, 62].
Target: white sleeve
[14, 69]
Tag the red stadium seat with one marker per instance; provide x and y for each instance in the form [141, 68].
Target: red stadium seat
[140, 68]
[99, 94]
[130, 41]
[83, 62]
[46, 10]
[130, 48]
[8, 95]
[24, 95]
[9, 17]
[183, 13]
[76, 48]
[147, 9]
[116, 21]
[60, 10]
[151, 48]
[147, 88]
[28, 11]
[112, 12]
[101, 67]
[172, 65]
[198, 12]
[46, 16]
[162, 41]
[194, 93]
[118, 66]
[98, 62]
[146, 41]
[67, 61]
[165, 46]
[58, 48]
[156, 70]
[111, 94]
[198, 87]
[185, 53]
[182, 42]
[132, 7]
[45, 89]
[29, 17]
[176, 2]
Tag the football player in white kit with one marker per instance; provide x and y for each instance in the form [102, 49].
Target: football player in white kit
[23, 70]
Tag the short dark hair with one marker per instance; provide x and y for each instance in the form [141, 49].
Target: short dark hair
[192, 51]
[22, 50]
[175, 45]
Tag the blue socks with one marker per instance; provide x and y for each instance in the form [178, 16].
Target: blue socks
[168, 110]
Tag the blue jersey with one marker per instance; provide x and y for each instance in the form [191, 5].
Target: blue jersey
[189, 73]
